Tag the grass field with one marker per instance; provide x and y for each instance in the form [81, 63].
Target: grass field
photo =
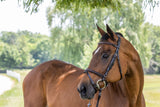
[152, 90]
[14, 97]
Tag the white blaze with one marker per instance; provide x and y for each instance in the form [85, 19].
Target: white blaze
[97, 50]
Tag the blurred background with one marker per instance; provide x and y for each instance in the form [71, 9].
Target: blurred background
[35, 31]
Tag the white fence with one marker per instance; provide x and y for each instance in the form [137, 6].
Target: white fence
[14, 74]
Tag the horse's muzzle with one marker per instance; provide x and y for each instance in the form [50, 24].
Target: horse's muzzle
[86, 91]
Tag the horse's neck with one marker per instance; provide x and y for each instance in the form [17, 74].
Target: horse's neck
[131, 85]
[135, 82]
[127, 91]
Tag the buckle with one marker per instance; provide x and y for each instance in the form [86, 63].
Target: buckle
[99, 85]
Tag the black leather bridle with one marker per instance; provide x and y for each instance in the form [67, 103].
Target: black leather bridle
[103, 76]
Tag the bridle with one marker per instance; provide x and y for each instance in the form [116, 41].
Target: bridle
[103, 76]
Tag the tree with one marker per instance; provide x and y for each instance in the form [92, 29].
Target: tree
[68, 41]
[75, 5]
[1, 47]
[9, 38]
[82, 25]
[32, 5]
[89, 48]
[23, 49]
[66, 45]
[8, 57]
[42, 52]
[154, 40]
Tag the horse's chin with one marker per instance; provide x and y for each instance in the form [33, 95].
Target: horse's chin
[87, 97]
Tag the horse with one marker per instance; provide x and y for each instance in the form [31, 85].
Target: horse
[115, 71]
[53, 84]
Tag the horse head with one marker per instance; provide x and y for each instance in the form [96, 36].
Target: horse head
[108, 63]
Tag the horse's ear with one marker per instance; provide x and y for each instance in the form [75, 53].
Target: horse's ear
[102, 32]
[111, 33]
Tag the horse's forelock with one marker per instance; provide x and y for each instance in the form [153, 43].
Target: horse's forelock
[105, 37]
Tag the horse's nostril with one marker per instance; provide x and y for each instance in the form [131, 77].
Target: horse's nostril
[82, 87]
[86, 91]
[83, 90]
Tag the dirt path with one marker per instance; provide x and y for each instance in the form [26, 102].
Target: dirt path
[5, 84]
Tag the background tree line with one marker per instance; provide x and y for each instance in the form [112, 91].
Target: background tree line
[74, 34]
[23, 49]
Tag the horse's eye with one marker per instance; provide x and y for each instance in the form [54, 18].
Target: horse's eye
[105, 56]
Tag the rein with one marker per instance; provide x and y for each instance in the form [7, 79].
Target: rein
[103, 76]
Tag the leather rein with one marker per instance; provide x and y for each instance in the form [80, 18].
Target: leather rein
[103, 76]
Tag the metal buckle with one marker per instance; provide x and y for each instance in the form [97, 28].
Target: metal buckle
[100, 80]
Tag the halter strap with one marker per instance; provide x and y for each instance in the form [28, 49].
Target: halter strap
[116, 54]
[94, 72]
[108, 43]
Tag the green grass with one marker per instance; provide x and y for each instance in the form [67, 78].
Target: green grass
[14, 97]
[152, 90]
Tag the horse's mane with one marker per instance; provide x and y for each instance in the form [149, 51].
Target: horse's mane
[118, 33]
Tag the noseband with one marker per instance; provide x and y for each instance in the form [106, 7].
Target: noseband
[103, 76]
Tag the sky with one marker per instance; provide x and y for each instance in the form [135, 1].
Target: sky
[153, 16]
[13, 18]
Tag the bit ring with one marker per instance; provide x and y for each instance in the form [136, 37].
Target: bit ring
[98, 86]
